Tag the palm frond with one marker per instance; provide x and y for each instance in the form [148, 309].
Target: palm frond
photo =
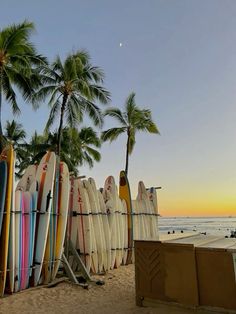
[112, 134]
[53, 113]
[117, 114]
[100, 93]
[9, 93]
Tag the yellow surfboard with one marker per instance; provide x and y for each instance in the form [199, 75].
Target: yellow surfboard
[8, 155]
[124, 193]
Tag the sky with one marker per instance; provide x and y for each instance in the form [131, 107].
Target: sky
[179, 57]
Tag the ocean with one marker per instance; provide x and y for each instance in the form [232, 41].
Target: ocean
[221, 226]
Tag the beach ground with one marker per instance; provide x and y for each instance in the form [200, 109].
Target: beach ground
[116, 296]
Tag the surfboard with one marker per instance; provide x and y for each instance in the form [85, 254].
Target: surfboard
[70, 210]
[125, 232]
[94, 252]
[107, 231]
[45, 176]
[101, 218]
[148, 213]
[136, 228]
[3, 186]
[25, 247]
[97, 225]
[7, 155]
[49, 255]
[84, 223]
[27, 179]
[63, 203]
[33, 211]
[11, 248]
[152, 194]
[18, 238]
[111, 187]
[73, 221]
[124, 193]
[110, 209]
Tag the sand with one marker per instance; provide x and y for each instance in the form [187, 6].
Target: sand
[116, 296]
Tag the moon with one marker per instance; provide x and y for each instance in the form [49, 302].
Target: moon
[121, 44]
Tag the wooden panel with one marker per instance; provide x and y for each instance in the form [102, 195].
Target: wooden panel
[216, 278]
[181, 277]
[166, 271]
[149, 269]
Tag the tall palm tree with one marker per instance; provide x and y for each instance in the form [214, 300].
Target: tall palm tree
[72, 88]
[131, 121]
[18, 65]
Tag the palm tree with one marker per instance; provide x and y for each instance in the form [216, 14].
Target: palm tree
[18, 65]
[132, 120]
[29, 153]
[72, 88]
[14, 133]
[77, 147]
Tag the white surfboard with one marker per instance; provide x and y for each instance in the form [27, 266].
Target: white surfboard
[110, 209]
[150, 218]
[116, 211]
[73, 219]
[84, 225]
[106, 229]
[136, 227]
[27, 178]
[152, 194]
[45, 176]
[125, 226]
[11, 249]
[97, 225]
[101, 218]
[63, 203]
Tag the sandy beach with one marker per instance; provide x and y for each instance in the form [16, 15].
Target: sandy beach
[116, 296]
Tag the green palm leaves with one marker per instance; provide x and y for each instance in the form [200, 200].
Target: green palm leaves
[77, 147]
[72, 88]
[131, 120]
[19, 64]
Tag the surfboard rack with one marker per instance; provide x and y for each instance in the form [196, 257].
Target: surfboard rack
[155, 187]
[77, 272]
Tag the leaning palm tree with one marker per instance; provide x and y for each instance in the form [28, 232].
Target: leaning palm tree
[18, 65]
[132, 120]
[72, 87]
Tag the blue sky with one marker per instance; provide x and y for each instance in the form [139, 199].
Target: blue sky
[180, 59]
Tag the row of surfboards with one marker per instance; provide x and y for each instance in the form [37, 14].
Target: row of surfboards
[35, 214]
[100, 218]
[33, 218]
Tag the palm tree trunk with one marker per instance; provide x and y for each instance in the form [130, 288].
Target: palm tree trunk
[63, 107]
[127, 155]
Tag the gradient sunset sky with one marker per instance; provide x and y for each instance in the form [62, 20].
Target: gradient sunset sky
[179, 57]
